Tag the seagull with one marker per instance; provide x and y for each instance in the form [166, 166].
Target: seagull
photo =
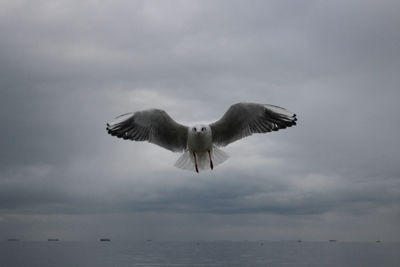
[200, 143]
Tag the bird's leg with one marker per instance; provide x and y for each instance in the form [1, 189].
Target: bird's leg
[211, 163]
[195, 162]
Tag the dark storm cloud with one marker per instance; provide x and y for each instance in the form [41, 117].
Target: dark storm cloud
[68, 67]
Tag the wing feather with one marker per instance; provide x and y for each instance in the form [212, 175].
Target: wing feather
[152, 125]
[244, 119]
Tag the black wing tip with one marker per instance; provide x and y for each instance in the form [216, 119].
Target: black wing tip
[292, 123]
[109, 128]
[294, 119]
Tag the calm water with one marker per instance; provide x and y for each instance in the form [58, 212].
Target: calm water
[221, 253]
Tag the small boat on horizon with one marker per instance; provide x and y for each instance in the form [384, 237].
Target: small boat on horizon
[53, 239]
[105, 239]
[332, 240]
[12, 239]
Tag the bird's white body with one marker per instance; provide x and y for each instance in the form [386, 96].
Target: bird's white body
[200, 153]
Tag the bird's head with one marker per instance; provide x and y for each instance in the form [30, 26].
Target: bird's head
[200, 130]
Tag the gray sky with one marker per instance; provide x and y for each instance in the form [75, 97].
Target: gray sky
[67, 67]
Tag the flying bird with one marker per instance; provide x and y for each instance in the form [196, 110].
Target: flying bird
[200, 143]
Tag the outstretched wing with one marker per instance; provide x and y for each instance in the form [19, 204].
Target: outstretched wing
[152, 125]
[244, 119]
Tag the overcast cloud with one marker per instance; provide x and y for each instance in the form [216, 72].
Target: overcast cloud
[67, 67]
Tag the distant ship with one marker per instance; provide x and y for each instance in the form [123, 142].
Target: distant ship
[53, 239]
[12, 239]
[332, 240]
[105, 239]
[378, 241]
[299, 241]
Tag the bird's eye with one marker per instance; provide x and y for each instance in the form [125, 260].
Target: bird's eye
[203, 129]
[194, 129]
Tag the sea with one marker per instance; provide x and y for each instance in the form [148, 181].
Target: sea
[198, 253]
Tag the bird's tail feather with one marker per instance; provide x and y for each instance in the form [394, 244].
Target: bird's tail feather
[218, 156]
[186, 160]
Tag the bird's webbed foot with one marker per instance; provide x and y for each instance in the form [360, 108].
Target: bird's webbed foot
[195, 162]
[211, 163]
